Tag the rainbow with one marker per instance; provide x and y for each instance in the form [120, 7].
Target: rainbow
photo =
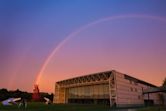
[73, 34]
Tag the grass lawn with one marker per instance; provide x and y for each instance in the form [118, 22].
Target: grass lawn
[153, 109]
[34, 106]
[56, 107]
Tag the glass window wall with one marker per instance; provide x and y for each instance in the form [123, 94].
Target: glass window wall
[93, 91]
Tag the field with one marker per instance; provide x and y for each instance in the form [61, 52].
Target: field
[71, 107]
[152, 109]
[55, 107]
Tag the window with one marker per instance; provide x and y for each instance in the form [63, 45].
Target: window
[131, 89]
[139, 97]
[142, 89]
[135, 83]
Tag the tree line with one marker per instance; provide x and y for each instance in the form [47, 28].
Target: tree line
[5, 94]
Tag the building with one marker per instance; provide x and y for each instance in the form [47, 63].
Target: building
[110, 87]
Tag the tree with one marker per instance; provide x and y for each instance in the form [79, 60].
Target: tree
[164, 83]
[3, 94]
[161, 95]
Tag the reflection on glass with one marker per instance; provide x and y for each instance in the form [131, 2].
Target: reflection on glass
[93, 91]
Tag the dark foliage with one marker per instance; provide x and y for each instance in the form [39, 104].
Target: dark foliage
[5, 94]
[164, 83]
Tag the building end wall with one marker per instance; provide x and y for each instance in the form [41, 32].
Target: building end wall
[59, 94]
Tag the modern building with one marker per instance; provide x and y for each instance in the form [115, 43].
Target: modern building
[110, 87]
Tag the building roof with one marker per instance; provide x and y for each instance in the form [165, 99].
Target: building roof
[138, 80]
[95, 77]
[99, 76]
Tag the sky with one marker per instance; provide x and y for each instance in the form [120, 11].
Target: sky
[44, 41]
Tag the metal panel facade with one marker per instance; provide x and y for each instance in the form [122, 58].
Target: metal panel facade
[110, 87]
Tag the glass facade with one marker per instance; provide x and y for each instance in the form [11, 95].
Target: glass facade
[100, 91]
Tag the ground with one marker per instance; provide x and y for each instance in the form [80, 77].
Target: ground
[56, 107]
[69, 107]
[153, 109]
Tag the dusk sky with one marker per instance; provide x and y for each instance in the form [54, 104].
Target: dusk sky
[44, 41]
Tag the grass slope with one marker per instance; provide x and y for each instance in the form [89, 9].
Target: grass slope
[56, 107]
[34, 106]
[153, 109]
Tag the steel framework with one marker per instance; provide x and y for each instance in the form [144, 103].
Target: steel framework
[96, 78]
